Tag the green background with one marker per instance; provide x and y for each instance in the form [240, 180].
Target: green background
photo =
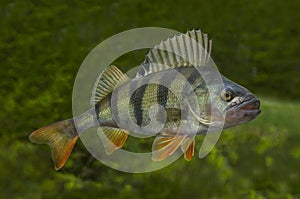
[255, 43]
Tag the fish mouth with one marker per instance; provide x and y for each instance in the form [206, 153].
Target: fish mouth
[250, 106]
[245, 111]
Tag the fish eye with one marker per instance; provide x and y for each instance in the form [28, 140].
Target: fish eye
[227, 94]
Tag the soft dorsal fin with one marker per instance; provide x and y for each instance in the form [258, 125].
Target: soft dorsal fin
[106, 83]
[190, 49]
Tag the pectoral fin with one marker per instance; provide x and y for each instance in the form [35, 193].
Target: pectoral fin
[187, 148]
[164, 146]
[112, 138]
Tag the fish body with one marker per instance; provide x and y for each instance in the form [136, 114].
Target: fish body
[172, 97]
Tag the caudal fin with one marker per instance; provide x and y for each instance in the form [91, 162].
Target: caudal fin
[60, 136]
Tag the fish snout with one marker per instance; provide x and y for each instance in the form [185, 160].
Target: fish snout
[246, 110]
[249, 102]
[250, 106]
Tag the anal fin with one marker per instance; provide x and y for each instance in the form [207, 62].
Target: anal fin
[112, 138]
[187, 148]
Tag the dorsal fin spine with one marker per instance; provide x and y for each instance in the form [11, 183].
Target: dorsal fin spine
[190, 49]
[206, 47]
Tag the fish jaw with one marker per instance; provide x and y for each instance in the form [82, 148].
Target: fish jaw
[242, 110]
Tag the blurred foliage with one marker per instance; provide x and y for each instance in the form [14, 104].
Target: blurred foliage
[256, 43]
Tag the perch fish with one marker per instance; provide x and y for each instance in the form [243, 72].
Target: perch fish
[173, 97]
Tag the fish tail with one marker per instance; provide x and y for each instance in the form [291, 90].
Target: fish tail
[60, 136]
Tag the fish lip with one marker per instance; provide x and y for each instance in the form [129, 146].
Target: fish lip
[250, 104]
[251, 114]
[243, 112]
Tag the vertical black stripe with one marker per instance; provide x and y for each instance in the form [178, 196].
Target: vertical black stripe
[193, 77]
[137, 100]
[162, 95]
[97, 109]
[163, 88]
[109, 99]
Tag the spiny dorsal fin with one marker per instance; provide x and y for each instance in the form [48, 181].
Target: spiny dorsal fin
[190, 49]
[164, 146]
[106, 83]
[112, 138]
[187, 148]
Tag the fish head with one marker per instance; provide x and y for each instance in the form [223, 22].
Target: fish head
[242, 105]
[228, 103]
[235, 102]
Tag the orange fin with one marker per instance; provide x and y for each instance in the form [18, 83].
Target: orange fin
[60, 136]
[113, 138]
[187, 148]
[164, 146]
